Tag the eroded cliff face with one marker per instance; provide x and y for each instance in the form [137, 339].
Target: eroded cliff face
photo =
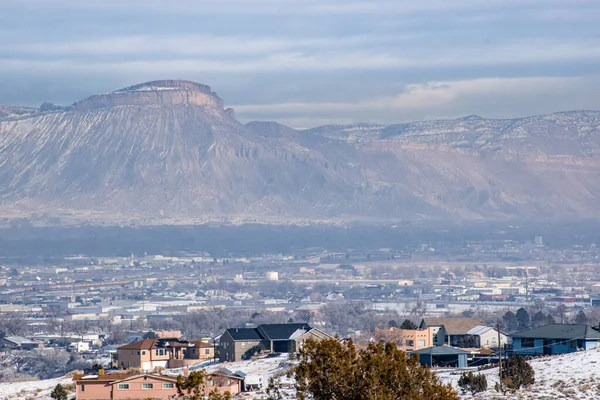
[161, 93]
[168, 152]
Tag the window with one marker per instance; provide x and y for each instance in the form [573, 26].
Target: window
[210, 383]
[228, 382]
[144, 353]
[206, 351]
[410, 343]
[243, 345]
[421, 343]
[399, 342]
[123, 386]
[83, 388]
[168, 386]
[147, 386]
[527, 342]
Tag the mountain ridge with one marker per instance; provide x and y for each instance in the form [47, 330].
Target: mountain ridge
[170, 152]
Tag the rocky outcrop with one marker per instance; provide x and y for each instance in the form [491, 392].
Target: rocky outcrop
[162, 93]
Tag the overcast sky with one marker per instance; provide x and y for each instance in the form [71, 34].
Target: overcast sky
[311, 62]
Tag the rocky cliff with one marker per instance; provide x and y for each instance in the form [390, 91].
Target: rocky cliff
[168, 152]
[159, 93]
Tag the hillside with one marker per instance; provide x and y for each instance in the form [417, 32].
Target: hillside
[168, 152]
[574, 376]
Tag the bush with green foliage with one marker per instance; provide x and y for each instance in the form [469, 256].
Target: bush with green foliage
[193, 387]
[516, 373]
[330, 369]
[59, 392]
[469, 382]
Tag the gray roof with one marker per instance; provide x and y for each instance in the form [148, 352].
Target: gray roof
[244, 334]
[281, 331]
[440, 351]
[560, 331]
[19, 340]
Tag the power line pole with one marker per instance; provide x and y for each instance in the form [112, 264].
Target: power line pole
[499, 357]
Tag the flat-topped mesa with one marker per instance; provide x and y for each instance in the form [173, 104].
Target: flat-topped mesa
[164, 92]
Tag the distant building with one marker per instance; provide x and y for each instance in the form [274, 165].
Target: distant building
[487, 337]
[450, 331]
[407, 339]
[272, 276]
[19, 343]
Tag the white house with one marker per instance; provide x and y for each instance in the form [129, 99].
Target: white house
[488, 337]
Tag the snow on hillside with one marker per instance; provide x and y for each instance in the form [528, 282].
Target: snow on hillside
[574, 376]
[38, 390]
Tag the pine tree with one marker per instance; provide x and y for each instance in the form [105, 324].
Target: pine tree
[581, 318]
[539, 319]
[469, 382]
[59, 392]
[523, 318]
[330, 369]
[511, 323]
[516, 373]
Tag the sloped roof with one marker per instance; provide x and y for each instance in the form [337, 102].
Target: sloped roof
[560, 331]
[244, 334]
[281, 331]
[453, 326]
[145, 344]
[480, 330]
[201, 344]
[19, 340]
[148, 344]
[119, 377]
[439, 351]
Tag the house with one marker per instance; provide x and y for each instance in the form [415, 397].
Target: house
[487, 337]
[235, 343]
[149, 354]
[19, 343]
[555, 339]
[200, 351]
[407, 339]
[451, 331]
[146, 386]
[442, 356]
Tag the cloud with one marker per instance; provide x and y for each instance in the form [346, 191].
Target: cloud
[295, 7]
[440, 99]
[280, 55]
[310, 60]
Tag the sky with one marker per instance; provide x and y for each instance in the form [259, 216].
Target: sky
[311, 62]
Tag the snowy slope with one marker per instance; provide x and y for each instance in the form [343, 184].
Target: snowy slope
[31, 389]
[571, 376]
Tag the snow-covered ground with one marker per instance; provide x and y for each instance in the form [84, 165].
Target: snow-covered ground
[574, 376]
[38, 390]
